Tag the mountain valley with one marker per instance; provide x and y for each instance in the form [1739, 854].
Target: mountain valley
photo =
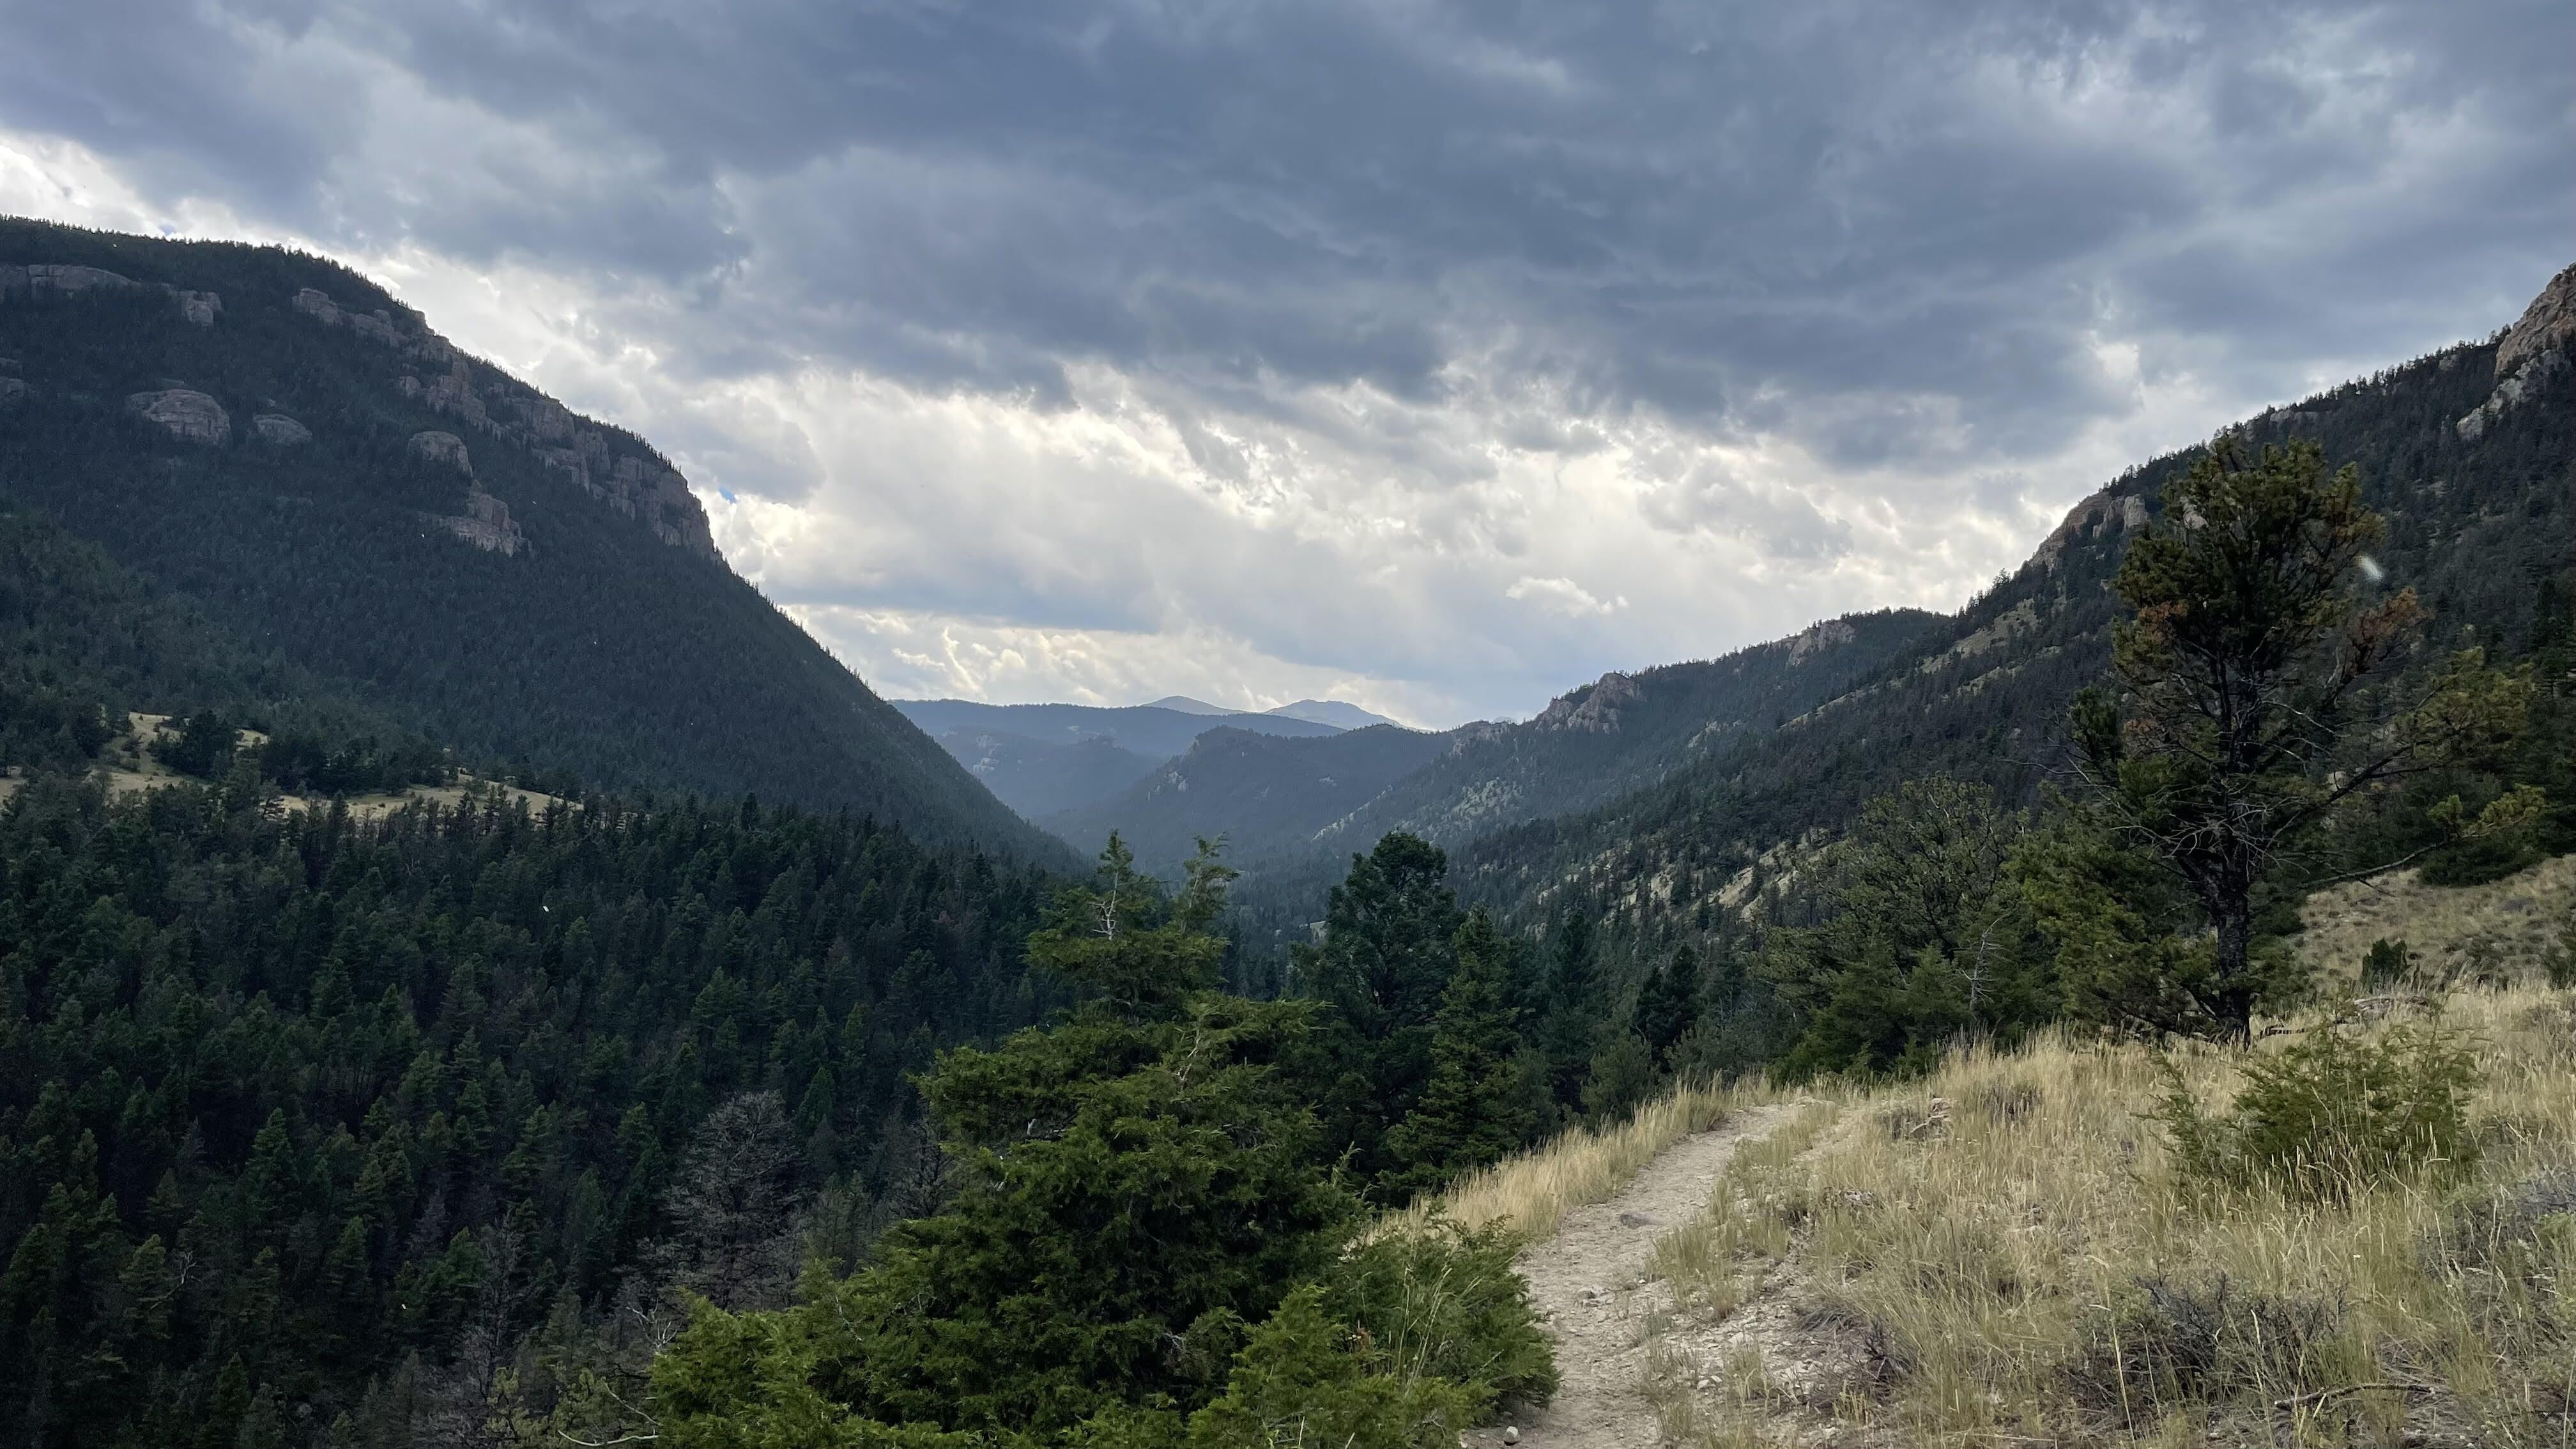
[473, 971]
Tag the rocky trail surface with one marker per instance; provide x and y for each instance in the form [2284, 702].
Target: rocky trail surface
[1580, 1281]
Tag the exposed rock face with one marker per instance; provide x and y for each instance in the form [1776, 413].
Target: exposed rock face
[2530, 351]
[1818, 637]
[2101, 510]
[443, 448]
[486, 522]
[642, 488]
[2534, 370]
[546, 420]
[62, 279]
[454, 393]
[2548, 322]
[190, 417]
[639, 488]
[281, 430]
[1594, 708]
[377, 325]
[59, 279]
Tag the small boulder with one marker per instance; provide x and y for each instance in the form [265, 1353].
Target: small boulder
[12, 391]
[443, 448]
[189, 417]
[281, 430]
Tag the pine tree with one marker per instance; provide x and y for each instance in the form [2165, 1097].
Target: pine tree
[1385, 959]
[1669, 1004]
[1927, 939]
[1476, 1109]
[1571, 1029]
[2243, 662]
[1139, 1177]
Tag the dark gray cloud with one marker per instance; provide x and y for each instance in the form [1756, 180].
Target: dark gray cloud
[1945, 238]
[1686, 206]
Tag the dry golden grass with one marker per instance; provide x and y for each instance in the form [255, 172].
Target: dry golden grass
[2004, 1253]
[1534, 1191]
[1993, 1232]
[2502, 926]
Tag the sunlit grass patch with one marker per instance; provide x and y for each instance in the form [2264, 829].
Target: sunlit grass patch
[2018, 1231]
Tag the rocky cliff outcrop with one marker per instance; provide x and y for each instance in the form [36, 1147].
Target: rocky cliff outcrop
[1595, 707]
[641, 486]
[486, 523]
[190, 417]
[444, 448]
[377, 326]
[1818, 637]
[2548, 322]
[2531, 351]
[281, 430]
[62, 279]
[2103, 510]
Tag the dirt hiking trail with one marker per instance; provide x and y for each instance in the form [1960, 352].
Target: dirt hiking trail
[1580, 1280]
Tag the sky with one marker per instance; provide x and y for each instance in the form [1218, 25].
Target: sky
[1438, 357]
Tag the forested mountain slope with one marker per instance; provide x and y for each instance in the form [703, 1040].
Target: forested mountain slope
[83, 642]
[296, 457]
[1593, 744]
[1262, 793]
[1149, 730]
[1626, 730]
[1045, 759]
[2470, 454]
[305, 1121]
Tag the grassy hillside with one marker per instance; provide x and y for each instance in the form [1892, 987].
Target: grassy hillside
[259, 434]
[2017, 1248]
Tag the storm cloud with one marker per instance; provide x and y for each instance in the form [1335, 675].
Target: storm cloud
[1438, 355]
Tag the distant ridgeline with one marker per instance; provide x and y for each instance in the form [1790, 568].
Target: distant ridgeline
[292, 458]
[2469, 453]
[1667, 802]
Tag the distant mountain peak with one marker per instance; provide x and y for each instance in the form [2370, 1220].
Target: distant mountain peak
[1183, 704]
[1333, 712]
[1340, 714]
